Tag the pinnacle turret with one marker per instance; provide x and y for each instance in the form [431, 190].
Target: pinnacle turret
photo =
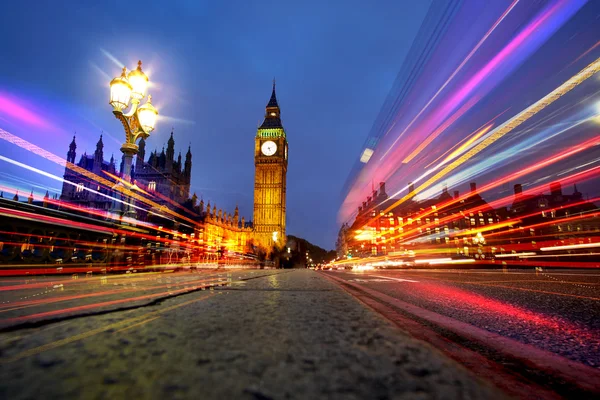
[71, 153]
[272, 113]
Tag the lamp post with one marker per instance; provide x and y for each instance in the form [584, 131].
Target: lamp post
[126, 91]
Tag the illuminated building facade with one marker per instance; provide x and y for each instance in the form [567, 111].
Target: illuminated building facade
[467, 226]
[82, 190]
[555, 215]
[224, 233]
[163, 176]
[270, 161]
[438, 223]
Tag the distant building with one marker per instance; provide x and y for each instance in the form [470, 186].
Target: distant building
[80, 188]
[555, 215]
[383, 228]
[163, 176]
[460, 225]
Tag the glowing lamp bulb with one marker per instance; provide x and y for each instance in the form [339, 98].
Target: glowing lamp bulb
[147, 115]
[120, 92]
[139, 82]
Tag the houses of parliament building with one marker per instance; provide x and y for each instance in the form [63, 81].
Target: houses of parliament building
[165, 179]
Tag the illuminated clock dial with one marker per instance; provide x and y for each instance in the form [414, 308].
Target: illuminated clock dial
[268, 148]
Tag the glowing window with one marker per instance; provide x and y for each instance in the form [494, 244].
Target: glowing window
[79, 188]
[152, 186]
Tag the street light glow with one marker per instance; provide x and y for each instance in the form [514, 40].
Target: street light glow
[138, 81]
[120, 92]
[147, 115]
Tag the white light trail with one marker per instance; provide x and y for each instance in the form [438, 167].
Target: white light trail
[525, 254]
[571, 247]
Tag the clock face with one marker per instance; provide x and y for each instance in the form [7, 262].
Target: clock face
[268, 148]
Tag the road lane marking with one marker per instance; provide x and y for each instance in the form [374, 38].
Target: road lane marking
[531, 281]
[513, 288]
[18, 308]
[136, 325]
[537, 291]
[382, 279]
[395, 279]
[85, 335]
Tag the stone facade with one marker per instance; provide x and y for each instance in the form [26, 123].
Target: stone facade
[81, 190]
[270, 178]
[163, 175]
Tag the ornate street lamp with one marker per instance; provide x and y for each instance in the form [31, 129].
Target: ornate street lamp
[125, 91]
[139, 121]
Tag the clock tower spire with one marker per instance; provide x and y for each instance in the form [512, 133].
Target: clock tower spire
[272, 118]
[270, 162]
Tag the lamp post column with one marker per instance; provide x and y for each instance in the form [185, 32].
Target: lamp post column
[126, 91]
[128, 151]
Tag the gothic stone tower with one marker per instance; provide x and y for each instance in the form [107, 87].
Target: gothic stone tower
[270, 162]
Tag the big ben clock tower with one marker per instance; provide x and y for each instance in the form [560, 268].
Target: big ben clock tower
[270, 162]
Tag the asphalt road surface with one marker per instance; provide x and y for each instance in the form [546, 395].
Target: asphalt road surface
[212, 334]
[508, 317]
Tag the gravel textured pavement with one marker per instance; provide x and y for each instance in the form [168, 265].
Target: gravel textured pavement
[286, 335]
